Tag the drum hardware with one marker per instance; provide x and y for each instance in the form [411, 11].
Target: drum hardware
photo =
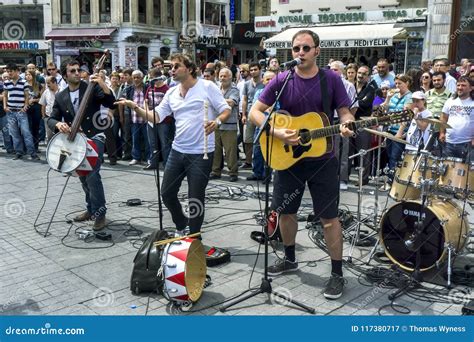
[358, 221]
[434, 121]
[450, 248]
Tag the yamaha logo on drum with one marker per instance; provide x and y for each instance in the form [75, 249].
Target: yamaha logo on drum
[414, 213]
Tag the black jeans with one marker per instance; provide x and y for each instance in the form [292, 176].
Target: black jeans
[196, 170]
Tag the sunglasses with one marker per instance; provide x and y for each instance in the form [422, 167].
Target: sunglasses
[306, 48]
[425, 77]
[51, 69]
[73, 71]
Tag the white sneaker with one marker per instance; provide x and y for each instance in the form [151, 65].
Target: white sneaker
[343, 186]
[134, 162]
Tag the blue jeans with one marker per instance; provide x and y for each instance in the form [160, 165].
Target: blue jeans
[20, 131]
[257, 159]
[139, 135]
[463, 151]
[165, 134]
[196, 170]
[394, 151]
[7, 140]
[93, 187]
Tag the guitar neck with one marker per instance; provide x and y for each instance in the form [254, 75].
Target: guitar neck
[76, 123]
[334, 129]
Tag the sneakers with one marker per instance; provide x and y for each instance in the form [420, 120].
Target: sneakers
[17, 156]
[385, 187]
[99, 224]
[246, 166]
[282, 266]
[334, 287]
[134, 162]
[233, 178]
[85, 216]
[149, 167]
[343, 185]
[35, 157]
[254, 178]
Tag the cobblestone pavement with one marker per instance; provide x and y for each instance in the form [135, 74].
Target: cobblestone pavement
[61, 275]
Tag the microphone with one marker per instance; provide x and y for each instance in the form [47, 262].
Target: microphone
[290, 64]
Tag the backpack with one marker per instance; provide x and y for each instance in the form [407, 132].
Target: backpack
[147, 262]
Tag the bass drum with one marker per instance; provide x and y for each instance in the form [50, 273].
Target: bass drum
[443, 224]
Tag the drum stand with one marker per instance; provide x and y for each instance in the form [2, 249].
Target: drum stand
[359, 220]
[413, 243]
[266, 286]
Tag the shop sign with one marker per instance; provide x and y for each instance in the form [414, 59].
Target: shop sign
[232, 11]
[23, 45]
[337, 43]
[213, 41]
[278, 23]
[166, 41]
[245, 34]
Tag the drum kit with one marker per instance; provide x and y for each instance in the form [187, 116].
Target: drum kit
[427, 225]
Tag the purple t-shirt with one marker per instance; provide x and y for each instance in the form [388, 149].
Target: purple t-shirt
[304, 95]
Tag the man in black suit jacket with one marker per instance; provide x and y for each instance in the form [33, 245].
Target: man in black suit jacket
[65, 107]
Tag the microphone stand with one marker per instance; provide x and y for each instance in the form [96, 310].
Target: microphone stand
[155, 155]
[265, 286]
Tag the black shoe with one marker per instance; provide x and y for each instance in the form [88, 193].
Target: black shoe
[334, 287]
[246, 166]
[35, 157]
[282, 266]
[364, 182]
[112, 162]
[233, 179]
[254, 178]
[149, 167]
[127, 158]
[214, 176]
[18, 156]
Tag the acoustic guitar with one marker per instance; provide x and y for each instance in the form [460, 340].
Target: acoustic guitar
[315, 135]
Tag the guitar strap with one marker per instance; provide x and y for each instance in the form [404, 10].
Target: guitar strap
[324, 91]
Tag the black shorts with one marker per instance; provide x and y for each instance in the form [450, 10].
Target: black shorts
[323, 183]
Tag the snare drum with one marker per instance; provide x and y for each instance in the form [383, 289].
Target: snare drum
[184, 270]
[454, 177]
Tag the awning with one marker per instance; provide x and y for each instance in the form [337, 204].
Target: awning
[80, 33]
[343, 36]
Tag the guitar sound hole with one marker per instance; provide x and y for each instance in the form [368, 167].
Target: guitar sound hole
[305, 136]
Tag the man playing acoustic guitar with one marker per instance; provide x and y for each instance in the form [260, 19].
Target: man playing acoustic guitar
[310, 89]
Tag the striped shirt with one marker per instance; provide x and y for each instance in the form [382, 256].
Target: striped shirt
[16, 93]
[138, 98]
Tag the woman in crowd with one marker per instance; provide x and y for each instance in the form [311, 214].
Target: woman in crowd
[351, 73]
[426, 82]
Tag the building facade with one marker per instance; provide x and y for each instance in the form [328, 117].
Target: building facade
[360, 33]
[22, 28]
[134, 31]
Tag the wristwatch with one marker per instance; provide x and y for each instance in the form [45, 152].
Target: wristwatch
[218, 122]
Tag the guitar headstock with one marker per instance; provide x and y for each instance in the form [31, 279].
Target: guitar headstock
[396, 117]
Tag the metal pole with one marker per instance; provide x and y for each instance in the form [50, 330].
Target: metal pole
[406, 56]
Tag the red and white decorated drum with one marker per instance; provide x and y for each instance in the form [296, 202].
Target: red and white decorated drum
[184, 270]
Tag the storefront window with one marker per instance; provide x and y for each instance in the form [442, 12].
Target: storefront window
[142, 58]
[66, 11]
[238, 10]
[170, 7]
[126, 11]
[157, 12]
[213, 14]
[21, 22]
[464, 31]
[251, 11]
[142, 11]
[104, 9]
[85, 11]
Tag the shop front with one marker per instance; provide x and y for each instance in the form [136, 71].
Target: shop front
[361, 37]
[23, 52]
[246, 43]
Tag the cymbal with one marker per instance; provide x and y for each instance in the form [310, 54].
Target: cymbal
[434, 121]
[388, 136]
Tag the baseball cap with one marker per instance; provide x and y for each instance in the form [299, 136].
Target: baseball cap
[419, 95]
